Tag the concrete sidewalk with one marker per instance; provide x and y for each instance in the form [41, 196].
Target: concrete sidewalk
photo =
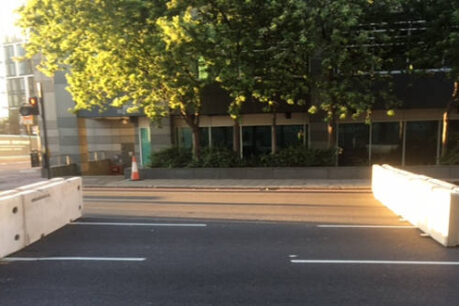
[121, 182]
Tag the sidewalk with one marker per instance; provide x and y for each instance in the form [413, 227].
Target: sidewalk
[121, 182]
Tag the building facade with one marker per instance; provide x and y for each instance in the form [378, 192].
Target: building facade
[18, 82]
[412, 136]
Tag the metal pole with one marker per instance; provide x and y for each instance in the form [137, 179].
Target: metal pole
[45, 131]
[370, 144]
[439, 130]
[404, 123]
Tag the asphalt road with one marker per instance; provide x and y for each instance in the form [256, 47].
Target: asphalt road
[112, 260]
[17, 173]
[354, 207]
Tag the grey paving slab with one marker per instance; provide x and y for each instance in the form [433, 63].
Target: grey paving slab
[119, 181]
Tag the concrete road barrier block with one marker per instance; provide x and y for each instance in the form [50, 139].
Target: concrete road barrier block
[39, 184]
[30, 212]
[12, 235]
[8, 192]
[50, 207]
[72, 193]
[429, 204]
[454, 218]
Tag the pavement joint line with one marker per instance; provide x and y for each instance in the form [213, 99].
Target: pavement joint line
[375, 262]
[14, 259]
[365, 226]
[141, 224]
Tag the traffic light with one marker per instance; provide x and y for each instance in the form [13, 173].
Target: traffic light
[31, 108]
[33, 101]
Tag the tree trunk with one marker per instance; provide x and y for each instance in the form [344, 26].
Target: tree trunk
[449, 107]
[196, 142]
[274, 134]
[331, 131]
[236, 138]
[193, 123]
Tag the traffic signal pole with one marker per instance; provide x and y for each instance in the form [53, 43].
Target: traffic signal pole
[45, 154]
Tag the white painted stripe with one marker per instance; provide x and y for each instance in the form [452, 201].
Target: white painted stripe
[376, 262]
[73, 259]
[141, 224]
[364, 226]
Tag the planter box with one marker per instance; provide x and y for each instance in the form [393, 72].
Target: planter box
[255, 173]
[299, 173]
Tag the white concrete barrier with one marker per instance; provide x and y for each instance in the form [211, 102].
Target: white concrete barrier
[430, 204]
[39, 184]
[12, 236]
[49, 207]
[43, 208]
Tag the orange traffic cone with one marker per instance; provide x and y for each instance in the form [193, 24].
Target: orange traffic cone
[134, 170]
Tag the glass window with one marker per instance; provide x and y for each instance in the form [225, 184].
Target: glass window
[10, 69]
[11, 99]
[25, 68]
[222, 137]
[386, 143]
[353, 140]
[9, 52]
[256, 140]
[15, 100]
[453, 135]
[16, 86]
[204, 137]
[31, 86]
[20, 50]
[9, 85]
[421, 142]
[185, 137]
[290, 135]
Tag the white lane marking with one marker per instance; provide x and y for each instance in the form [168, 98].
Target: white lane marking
[364, 226]
[141, 224]
[73, 259]
[376, 262]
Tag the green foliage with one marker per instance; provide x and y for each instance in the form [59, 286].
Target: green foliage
[452, 154]
[224, 158]
[159, 55]
[437, 45]
[350, 53]
[259, 52]
[217, 158]
[451, 158]
[144, 54]
[171, 158]
[299, 156]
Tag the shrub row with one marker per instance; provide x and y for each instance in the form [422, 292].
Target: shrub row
[224, 158]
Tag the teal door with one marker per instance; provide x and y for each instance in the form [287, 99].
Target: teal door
[145, 145]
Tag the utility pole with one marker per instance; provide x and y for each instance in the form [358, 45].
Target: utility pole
[45, 154]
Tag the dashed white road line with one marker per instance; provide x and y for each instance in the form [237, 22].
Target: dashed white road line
[73, 259]
[375, 262]
[364, 226]
[141, 224]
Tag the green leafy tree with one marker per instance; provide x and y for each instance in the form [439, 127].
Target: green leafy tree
[231, 35]
[146, 54]
[281, 59]
[259, 54]
[349, 56]
[434, 46]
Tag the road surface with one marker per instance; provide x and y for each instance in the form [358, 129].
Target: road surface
[233, 248]
[17, 173]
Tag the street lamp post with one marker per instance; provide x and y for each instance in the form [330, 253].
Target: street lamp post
[45, 154]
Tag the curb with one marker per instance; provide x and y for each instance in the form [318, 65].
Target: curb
[318, 189]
